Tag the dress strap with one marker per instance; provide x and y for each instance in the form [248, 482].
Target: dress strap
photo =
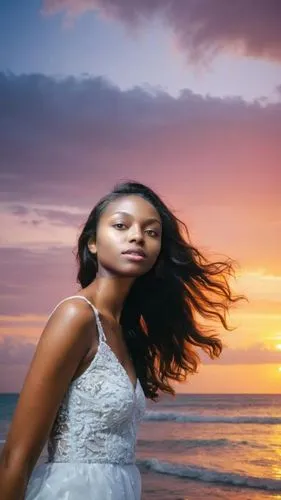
[98, 321]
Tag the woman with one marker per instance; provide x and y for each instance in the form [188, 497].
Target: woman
[124, 337]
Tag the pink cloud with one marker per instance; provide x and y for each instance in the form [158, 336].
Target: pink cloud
[15, 350]
[33, 281]
[202, 28]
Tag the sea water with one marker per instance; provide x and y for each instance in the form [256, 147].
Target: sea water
[194, 446]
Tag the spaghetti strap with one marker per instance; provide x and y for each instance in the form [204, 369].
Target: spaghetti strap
[102, 336]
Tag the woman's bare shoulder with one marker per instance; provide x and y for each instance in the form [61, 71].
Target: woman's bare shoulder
[65, 340]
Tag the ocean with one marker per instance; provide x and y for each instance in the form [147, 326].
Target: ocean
[194, 446]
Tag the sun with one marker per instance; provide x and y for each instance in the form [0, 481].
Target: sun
[278, 346]
[279, 369]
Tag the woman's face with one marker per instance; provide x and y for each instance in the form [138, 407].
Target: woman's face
[129, 224]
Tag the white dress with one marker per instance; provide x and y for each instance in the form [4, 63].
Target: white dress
[91, 448]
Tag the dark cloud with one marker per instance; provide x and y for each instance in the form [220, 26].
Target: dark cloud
[202, 28]
[67, 141]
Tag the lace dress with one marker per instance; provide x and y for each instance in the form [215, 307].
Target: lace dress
[91, 447]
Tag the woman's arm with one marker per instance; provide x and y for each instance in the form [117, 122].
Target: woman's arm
[64, 342]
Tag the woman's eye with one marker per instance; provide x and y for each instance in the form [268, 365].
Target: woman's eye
[152, 233]
[120, 226]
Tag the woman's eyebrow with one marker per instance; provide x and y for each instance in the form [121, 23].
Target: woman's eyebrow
[152, 219]
[147, 221]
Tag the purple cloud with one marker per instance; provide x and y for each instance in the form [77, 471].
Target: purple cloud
[34, 281]
[67, 141]
[202, 28]
[63, 143]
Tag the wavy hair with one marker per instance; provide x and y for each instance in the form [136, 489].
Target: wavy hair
[159, 320]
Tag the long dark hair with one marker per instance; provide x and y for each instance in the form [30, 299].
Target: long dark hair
[159, 315]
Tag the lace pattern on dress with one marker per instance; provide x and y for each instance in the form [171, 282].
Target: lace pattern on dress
[98, 418]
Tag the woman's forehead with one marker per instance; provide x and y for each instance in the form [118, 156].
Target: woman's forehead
[133, 206]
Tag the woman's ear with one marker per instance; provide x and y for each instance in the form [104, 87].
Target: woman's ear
[92, 247]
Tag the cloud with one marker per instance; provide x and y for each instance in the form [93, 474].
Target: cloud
[32, 282]
[66, 141]
[201, 28]
[15, 350]
[27, 318]
[60, 216]
[262, 285]
[256, 354]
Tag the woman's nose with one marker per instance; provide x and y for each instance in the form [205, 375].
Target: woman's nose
[135, 234]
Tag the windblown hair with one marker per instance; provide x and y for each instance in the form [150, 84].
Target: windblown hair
[159, 315]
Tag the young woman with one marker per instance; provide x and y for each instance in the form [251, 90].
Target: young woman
[129, 331]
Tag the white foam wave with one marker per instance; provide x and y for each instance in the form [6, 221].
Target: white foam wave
[211, 475]
[182, 417]
[196, 443]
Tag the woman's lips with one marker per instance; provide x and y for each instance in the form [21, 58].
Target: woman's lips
[134, 257]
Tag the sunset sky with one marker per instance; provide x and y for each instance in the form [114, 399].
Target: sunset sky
[182, 95]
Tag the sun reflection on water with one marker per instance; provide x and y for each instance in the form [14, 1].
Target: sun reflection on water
[276, 439]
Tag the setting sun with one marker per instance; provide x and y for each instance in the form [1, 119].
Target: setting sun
[278, 347]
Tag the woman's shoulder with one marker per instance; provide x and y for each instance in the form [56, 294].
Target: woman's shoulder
[75, 306]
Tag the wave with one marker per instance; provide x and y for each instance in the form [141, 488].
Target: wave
[222, 419]
[164, 444]
[210, 475]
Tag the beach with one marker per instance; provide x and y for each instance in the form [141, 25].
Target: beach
[204, 446]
